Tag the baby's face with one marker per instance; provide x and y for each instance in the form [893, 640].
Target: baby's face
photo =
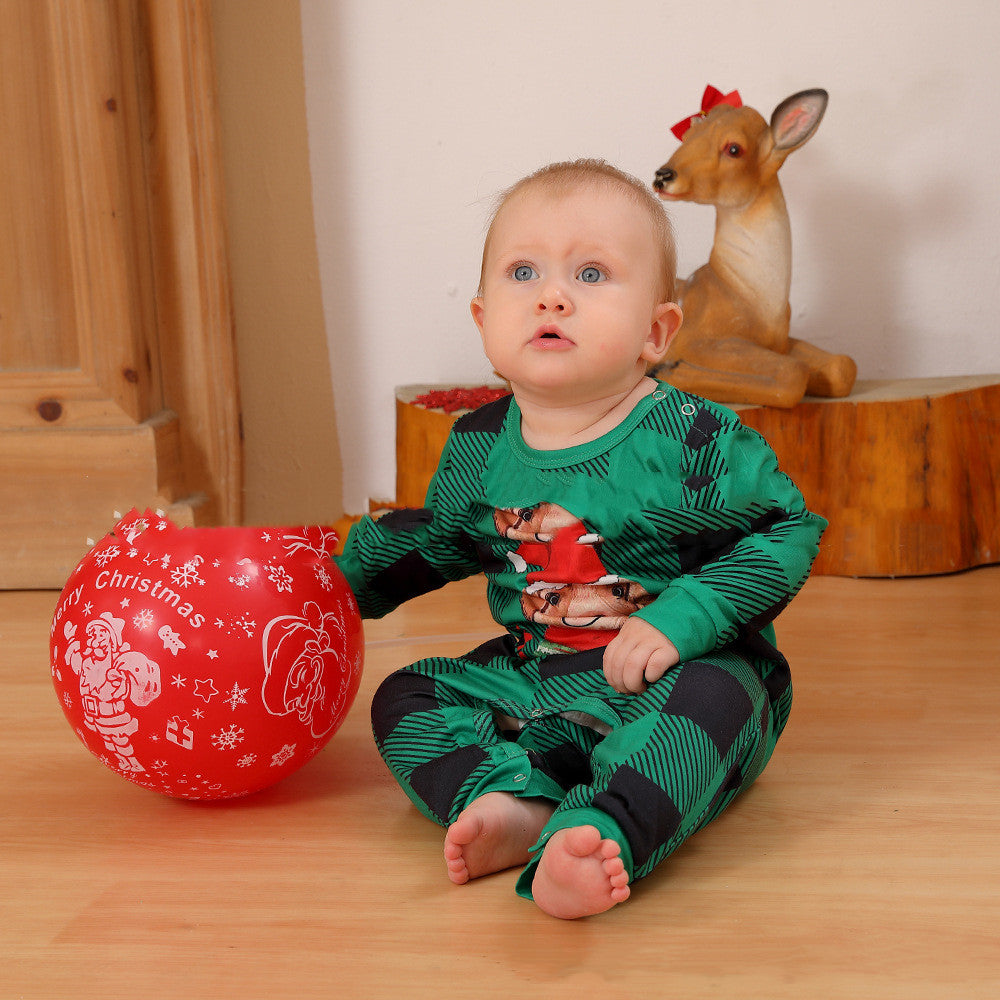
[569, 309]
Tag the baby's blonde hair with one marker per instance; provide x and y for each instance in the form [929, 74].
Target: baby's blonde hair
[571, 175]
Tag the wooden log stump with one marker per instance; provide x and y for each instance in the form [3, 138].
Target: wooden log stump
[906, 471]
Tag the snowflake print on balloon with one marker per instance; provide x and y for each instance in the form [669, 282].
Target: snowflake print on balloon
[279, 576]
[107, 555]
[236, 696]
[144, 619]
[283, 756]
[187, 574]
[228, 739]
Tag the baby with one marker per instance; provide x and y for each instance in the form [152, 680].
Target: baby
[637, 543]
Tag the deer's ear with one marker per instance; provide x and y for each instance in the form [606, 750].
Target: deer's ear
[796, 118]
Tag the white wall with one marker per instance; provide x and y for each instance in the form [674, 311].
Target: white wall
[419, 112]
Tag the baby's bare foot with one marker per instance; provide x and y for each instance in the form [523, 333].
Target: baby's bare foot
[579, 874]
[495, 832]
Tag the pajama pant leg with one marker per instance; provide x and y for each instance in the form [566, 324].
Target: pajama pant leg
[436, 728]
[683, 751]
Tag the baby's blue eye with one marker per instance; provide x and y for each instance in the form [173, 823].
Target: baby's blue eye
[591, 275]
[524, 272]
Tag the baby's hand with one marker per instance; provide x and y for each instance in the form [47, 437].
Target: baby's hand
[637, 656]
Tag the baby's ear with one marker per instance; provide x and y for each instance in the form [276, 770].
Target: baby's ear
[667, 319]
[477, 311]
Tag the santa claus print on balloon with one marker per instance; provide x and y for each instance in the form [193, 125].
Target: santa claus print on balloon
[206, 663]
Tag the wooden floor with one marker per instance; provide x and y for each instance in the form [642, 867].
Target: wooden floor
[865, 863]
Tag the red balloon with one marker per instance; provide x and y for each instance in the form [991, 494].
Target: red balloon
[206, 663]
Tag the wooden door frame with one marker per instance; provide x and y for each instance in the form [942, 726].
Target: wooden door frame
[190, 257]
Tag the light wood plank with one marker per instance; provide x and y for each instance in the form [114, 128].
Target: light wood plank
[189, 251]
[44, 527]
[863, 864]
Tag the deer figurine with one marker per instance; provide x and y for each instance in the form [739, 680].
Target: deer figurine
[734, 346]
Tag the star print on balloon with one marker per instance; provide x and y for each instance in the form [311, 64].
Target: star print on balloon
[206, 663]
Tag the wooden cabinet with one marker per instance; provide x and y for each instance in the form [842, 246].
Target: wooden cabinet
[117, 366]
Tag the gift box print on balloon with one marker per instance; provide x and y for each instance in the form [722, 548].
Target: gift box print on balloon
[206, 663]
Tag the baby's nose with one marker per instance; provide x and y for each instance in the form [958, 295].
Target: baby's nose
[553, 299]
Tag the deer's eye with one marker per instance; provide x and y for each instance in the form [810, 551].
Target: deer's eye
[734, 150]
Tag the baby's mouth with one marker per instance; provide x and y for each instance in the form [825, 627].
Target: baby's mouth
[550, 334]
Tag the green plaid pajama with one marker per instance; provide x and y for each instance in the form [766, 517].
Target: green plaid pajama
[679, 516]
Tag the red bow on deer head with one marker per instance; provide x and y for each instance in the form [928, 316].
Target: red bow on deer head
[711, 98]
